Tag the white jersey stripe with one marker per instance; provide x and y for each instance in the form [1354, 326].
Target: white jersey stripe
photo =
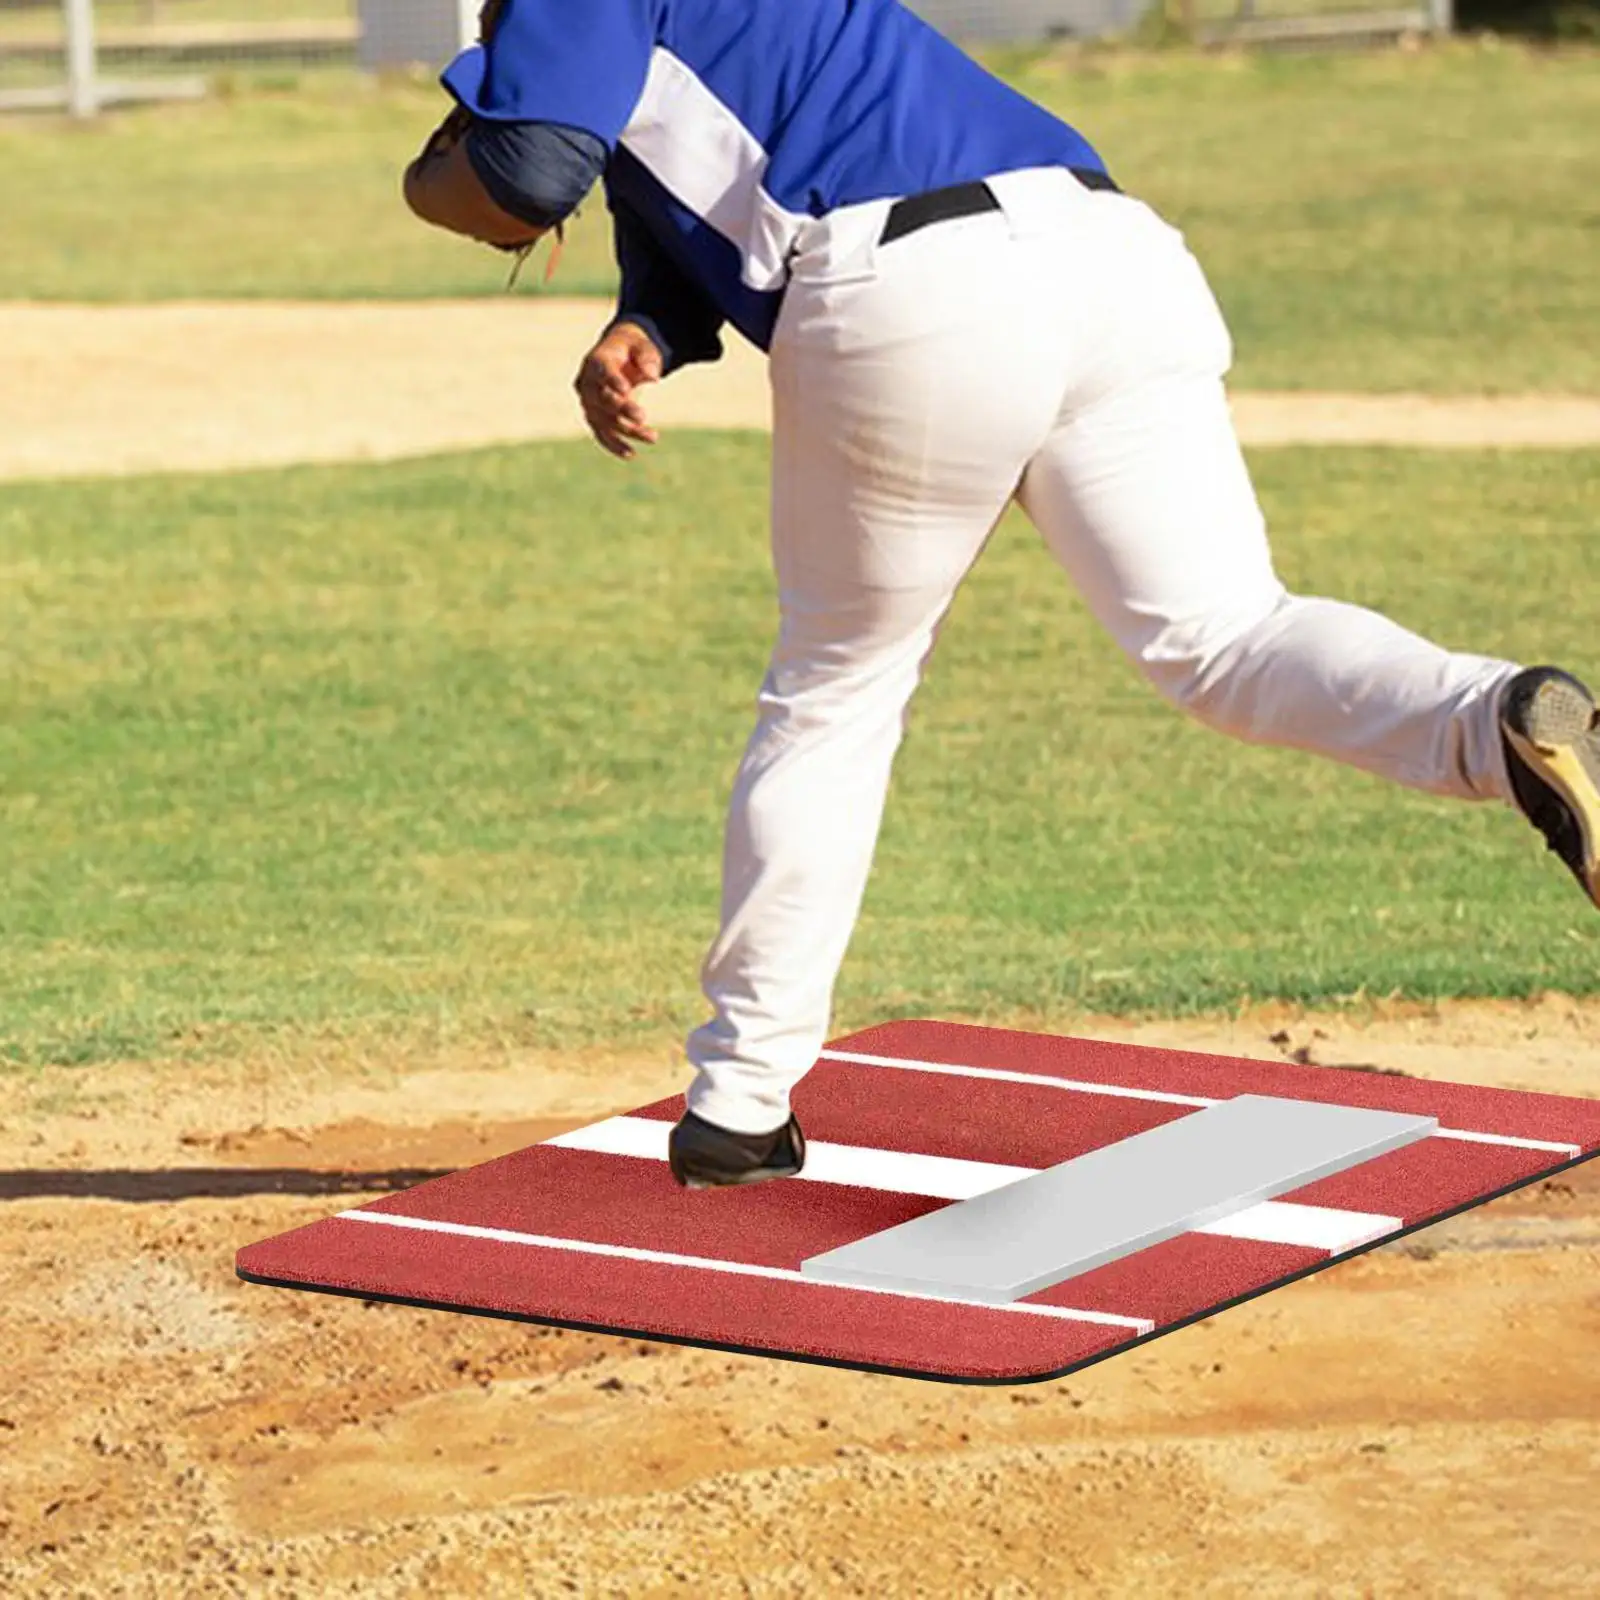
[700, 152]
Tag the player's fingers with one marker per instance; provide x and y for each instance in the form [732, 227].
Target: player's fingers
[642, 355]
[629, 422]
[605, 387]
[602, 417]
[620, 437]
[644, 364]
[601, 372]
[636, 428]
[619, 407]
[604, 425]
[609, 441]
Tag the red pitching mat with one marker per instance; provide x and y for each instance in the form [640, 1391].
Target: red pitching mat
[588, 1230]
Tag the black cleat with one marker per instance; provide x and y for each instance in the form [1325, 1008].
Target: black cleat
[1551, 731]
[704, 1156]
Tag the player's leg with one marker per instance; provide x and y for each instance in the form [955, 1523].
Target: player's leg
[905, 409]
[1143, 494]
[802, 825]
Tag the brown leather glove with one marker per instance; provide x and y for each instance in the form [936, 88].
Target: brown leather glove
[442, 188]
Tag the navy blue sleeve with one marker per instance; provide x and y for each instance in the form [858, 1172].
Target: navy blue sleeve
[658, 296]
[535, 171]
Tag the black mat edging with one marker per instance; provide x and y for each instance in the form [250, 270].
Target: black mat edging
[916, 1372]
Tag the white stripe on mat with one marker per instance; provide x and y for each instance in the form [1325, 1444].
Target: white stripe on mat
[941, 1177]
[1312, 1227]
[998, 1075]
[1469, 1137]
[948, 1178]
[1120, 1092]
[743, 1269]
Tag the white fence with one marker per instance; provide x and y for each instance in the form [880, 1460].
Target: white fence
[1210, 21]
[80, 55]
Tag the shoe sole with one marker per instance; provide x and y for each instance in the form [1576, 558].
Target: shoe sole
[763, 1176]
[693, 1180]
[1558, 736]
[695, 1171]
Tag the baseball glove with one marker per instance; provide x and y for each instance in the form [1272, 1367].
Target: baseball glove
[452, 129]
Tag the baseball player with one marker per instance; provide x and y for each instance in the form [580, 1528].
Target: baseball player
[961, 309]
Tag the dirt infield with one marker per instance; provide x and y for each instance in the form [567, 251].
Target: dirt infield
[1424, 1418]
[115, 389]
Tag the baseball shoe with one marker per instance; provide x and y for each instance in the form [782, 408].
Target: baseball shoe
[1551, 731]
[704, 1156]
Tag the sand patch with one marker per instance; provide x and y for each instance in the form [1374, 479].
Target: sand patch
[98, 390]
[1426, 1417]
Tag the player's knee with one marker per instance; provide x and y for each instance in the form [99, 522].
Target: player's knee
[1202, 663]
[1189, 677]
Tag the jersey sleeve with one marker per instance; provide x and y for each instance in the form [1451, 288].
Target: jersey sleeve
[535, 171]
[658, 296]
[581, 63]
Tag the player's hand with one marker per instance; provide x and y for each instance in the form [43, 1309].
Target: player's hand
[608, 383]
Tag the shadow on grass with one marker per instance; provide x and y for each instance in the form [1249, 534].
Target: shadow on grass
[202, 1183]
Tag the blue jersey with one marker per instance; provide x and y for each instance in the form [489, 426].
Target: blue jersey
[730, 123]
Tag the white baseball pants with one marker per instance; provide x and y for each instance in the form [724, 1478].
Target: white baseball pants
[1068, 353]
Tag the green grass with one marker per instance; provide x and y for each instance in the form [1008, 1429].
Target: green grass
[1376, 222]
[447, 744]
[293, 194]
[43, 19]
[1380, 221]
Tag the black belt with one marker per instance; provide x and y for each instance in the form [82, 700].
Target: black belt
[963, 200]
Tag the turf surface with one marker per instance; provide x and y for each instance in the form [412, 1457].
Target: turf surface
[588, 1230]
[446, 744]
[1382, 221]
